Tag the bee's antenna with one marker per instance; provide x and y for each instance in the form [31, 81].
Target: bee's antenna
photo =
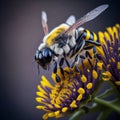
[38, 69]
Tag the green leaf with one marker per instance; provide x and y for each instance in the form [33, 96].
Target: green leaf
[77, 115]
[104, 114]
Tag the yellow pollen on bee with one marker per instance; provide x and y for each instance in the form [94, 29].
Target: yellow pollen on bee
[79, 97]
[89, 85]
[118, 65]
[64, 109]
[117, 82]
[94, 74]
[81, 91]
[83, 78]
[50, 38]
[73, 104]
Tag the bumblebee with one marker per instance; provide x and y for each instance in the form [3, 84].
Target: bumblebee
[67, 41]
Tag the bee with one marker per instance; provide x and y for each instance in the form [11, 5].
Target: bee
[68, 41]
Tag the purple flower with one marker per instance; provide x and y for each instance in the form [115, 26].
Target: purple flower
[75, 88]
[110, 54]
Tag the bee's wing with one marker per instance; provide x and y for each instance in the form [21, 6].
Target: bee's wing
[71, 20]
[44, 22]
[89, 16]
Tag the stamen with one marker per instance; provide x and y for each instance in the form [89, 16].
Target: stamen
[73, 104]
[84, 79]
[81, 91]
[94, 74]
[64, 109]
[89, 85]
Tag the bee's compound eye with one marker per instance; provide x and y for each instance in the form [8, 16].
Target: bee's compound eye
[47, 54]
[38, 55]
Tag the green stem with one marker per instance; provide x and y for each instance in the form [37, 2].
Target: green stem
[77, 115]
[100, 81]
[107, 104]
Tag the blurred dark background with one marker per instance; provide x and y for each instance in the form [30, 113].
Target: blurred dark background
[20, 35]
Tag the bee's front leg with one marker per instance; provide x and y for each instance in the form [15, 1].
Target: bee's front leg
[55, 72]
[75, 63]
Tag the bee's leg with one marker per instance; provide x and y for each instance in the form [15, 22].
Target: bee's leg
[93, 42]
[55, 72]
[87, 54]
[75, 64]
[95, 51]
[60, 66]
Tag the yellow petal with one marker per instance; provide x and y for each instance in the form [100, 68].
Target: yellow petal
[51, 114]
[101, 38]
[110, 31]
[45, 116]
[107, 36]
[41, 89]
[40, 94]
[45, 82]
[41, 107]
[100, 50]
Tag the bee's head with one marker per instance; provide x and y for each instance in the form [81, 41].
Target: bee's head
[44, 57]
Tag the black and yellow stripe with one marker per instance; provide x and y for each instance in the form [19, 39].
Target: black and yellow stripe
[90, 35]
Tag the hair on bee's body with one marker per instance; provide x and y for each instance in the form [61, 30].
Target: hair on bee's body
[69, 41]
